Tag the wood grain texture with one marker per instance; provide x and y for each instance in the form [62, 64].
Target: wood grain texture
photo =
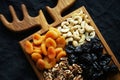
[29, 22]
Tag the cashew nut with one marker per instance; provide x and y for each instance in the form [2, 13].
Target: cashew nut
[75, 43]
[64, 35]
[78, 18]
[89, 28]
[87, 36]
[65, 27]
[59, 28]
[92, 34]
[68, 40]
[64, 30]
[80, 43]
[64, 23]
[69, 34]
[81, 29]
[82, 38]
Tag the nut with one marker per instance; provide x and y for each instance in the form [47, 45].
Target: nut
[64, 23]
[89, 28]
[68, 40]
[69, 34]
[82, 38]
[64, 30]
[75, 43]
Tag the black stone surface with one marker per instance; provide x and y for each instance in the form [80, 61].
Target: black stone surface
[13, 63]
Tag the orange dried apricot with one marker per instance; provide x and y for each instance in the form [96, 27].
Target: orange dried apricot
[37, 39]
[51, 52]
[60, 42]
[50, 42]
[49, 63]
[36, 56]
[28, 47]
[61, 54]
[37, 49]
[58, 50]
[43, 48]
[56, 30]
[40, 64]
[52, 34]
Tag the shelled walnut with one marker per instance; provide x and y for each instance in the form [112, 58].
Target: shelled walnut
[64, 71]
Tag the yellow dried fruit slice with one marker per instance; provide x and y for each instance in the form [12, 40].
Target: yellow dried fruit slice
[43, 48]
[40, 64]
[36, 56]
[37, 39]
[56, 30]
[58, 50]
[51, 52]
[28, 47]
[37, 49]
[61, 54]
[50, 42]
[49, 63]
[52, 34]
[60, 41]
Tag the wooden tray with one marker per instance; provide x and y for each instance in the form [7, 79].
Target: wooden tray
[29, 22]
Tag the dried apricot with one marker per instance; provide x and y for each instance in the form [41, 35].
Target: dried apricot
[58, 50]
[37, 49]
[40, 64]
[51, 52]
[28, 47]
[43, 48]
[37, 39]
[56, 30]
[61, 54]
[36, 56]
[52, 34]
[61, 42]
[50, 42]
[49, 63]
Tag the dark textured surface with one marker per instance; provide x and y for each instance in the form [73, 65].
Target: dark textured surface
[13, 63]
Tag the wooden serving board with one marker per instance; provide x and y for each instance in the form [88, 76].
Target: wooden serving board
[29, 22]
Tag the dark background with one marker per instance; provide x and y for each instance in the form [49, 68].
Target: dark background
[13, 63]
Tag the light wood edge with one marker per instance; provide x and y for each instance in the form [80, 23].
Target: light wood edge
[64, 18]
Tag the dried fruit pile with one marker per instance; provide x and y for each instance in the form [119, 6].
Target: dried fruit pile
[95, 64]
[47, 49]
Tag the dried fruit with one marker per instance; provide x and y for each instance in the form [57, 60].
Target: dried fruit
[58, 50]
[56, 30]
[28, 47]
[36, 56]
[43, 48]
[52, 34]
[61, 42]
[50, 42]
[40, 64]
[61, 54]
[51, 52]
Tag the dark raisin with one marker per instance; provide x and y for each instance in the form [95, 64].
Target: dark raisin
[94, 56]
[104, 59]
[78, 50]
[86, 47]
[72, 59]
[96, 66]
[95, 40]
